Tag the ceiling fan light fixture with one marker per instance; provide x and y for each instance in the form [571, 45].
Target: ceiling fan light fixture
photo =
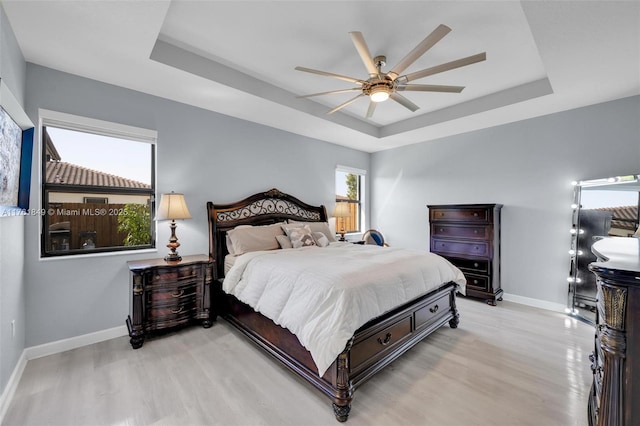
[379, 94]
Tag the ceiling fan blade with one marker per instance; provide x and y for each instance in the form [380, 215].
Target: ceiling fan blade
[404, 102]
[363, 51]
[371, 109]
[330, 74]
[430, 88]
[349, 102]
[426, 44]
[445, 67]
[331, 92]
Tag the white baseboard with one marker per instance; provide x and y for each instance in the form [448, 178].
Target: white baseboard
[58, 346]
[536, 303]
[12, 385]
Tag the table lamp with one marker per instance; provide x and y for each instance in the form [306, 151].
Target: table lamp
[342, 210]
[172, 207]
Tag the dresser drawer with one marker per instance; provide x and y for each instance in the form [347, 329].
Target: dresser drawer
[477, 214]
[478, 248]
[432, 311]
[471, 265]
[479, 232]
[370, 348]
[477, 282]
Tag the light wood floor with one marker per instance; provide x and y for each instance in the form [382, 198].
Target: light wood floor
[505, 365]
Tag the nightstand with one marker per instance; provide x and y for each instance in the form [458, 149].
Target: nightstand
[165, 295]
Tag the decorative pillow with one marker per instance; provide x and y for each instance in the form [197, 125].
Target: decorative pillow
[316, 227]
[301, 237]
[283, 241]
[254, 238]
[320, 239]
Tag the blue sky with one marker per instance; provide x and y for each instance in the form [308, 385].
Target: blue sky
[119, 157]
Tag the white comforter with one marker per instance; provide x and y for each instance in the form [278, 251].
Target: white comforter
[323, 295]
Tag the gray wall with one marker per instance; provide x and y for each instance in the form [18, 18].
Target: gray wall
[207, 156]
[528, 167]
[12, 283]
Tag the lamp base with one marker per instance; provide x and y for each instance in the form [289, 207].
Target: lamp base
[342, 238]
[173, 257]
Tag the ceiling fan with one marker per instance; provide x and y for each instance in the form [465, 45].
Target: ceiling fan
[380, 86]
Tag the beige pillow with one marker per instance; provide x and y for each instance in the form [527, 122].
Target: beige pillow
[245, 239]
[316, 227]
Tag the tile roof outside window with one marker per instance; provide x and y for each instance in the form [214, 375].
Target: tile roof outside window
[71, 174]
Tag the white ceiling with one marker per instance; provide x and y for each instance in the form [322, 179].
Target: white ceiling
[238, 58]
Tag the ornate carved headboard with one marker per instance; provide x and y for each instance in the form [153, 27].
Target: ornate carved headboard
[263, 208]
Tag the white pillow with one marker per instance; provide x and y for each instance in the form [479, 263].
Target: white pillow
[301, 236]
[320, 239]
[283, 241]
[230, 245]
[316, 227]
[254, 238]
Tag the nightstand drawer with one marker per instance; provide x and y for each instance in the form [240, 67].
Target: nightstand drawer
[477, 214]
[172, 295]
[176, 275]
[479, 248]
[175, 313]
[456, 231]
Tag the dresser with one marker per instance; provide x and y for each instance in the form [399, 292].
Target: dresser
[468, 235]
[165, 295]
[615, 361]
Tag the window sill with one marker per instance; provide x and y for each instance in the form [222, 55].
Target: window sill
[94, 255]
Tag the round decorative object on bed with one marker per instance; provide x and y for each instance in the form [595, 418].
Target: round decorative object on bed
[373, 237]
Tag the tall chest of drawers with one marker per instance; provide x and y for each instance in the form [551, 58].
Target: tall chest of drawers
[615, 361]
[168, 294]
[468, 235]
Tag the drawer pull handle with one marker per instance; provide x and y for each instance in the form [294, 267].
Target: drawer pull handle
[434, 309]
[177, 293]
[475, 265]
[476, 248]
[441, 229]
[177, 311]
[475, 214]
[475, 281]
[475, 231]
[386, 340]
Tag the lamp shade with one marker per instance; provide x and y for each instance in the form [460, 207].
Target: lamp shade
[172, 206]
[342, 210]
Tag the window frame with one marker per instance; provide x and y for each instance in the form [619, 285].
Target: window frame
[361, 201]
[76, 123]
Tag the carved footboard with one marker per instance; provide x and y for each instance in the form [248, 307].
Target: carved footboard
[373, 346]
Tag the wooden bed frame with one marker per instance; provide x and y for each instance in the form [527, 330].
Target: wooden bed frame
[373, 346]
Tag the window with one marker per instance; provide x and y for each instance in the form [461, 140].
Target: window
[98, 186]
[350, 189]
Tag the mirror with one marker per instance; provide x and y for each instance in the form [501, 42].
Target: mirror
[601, 208]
